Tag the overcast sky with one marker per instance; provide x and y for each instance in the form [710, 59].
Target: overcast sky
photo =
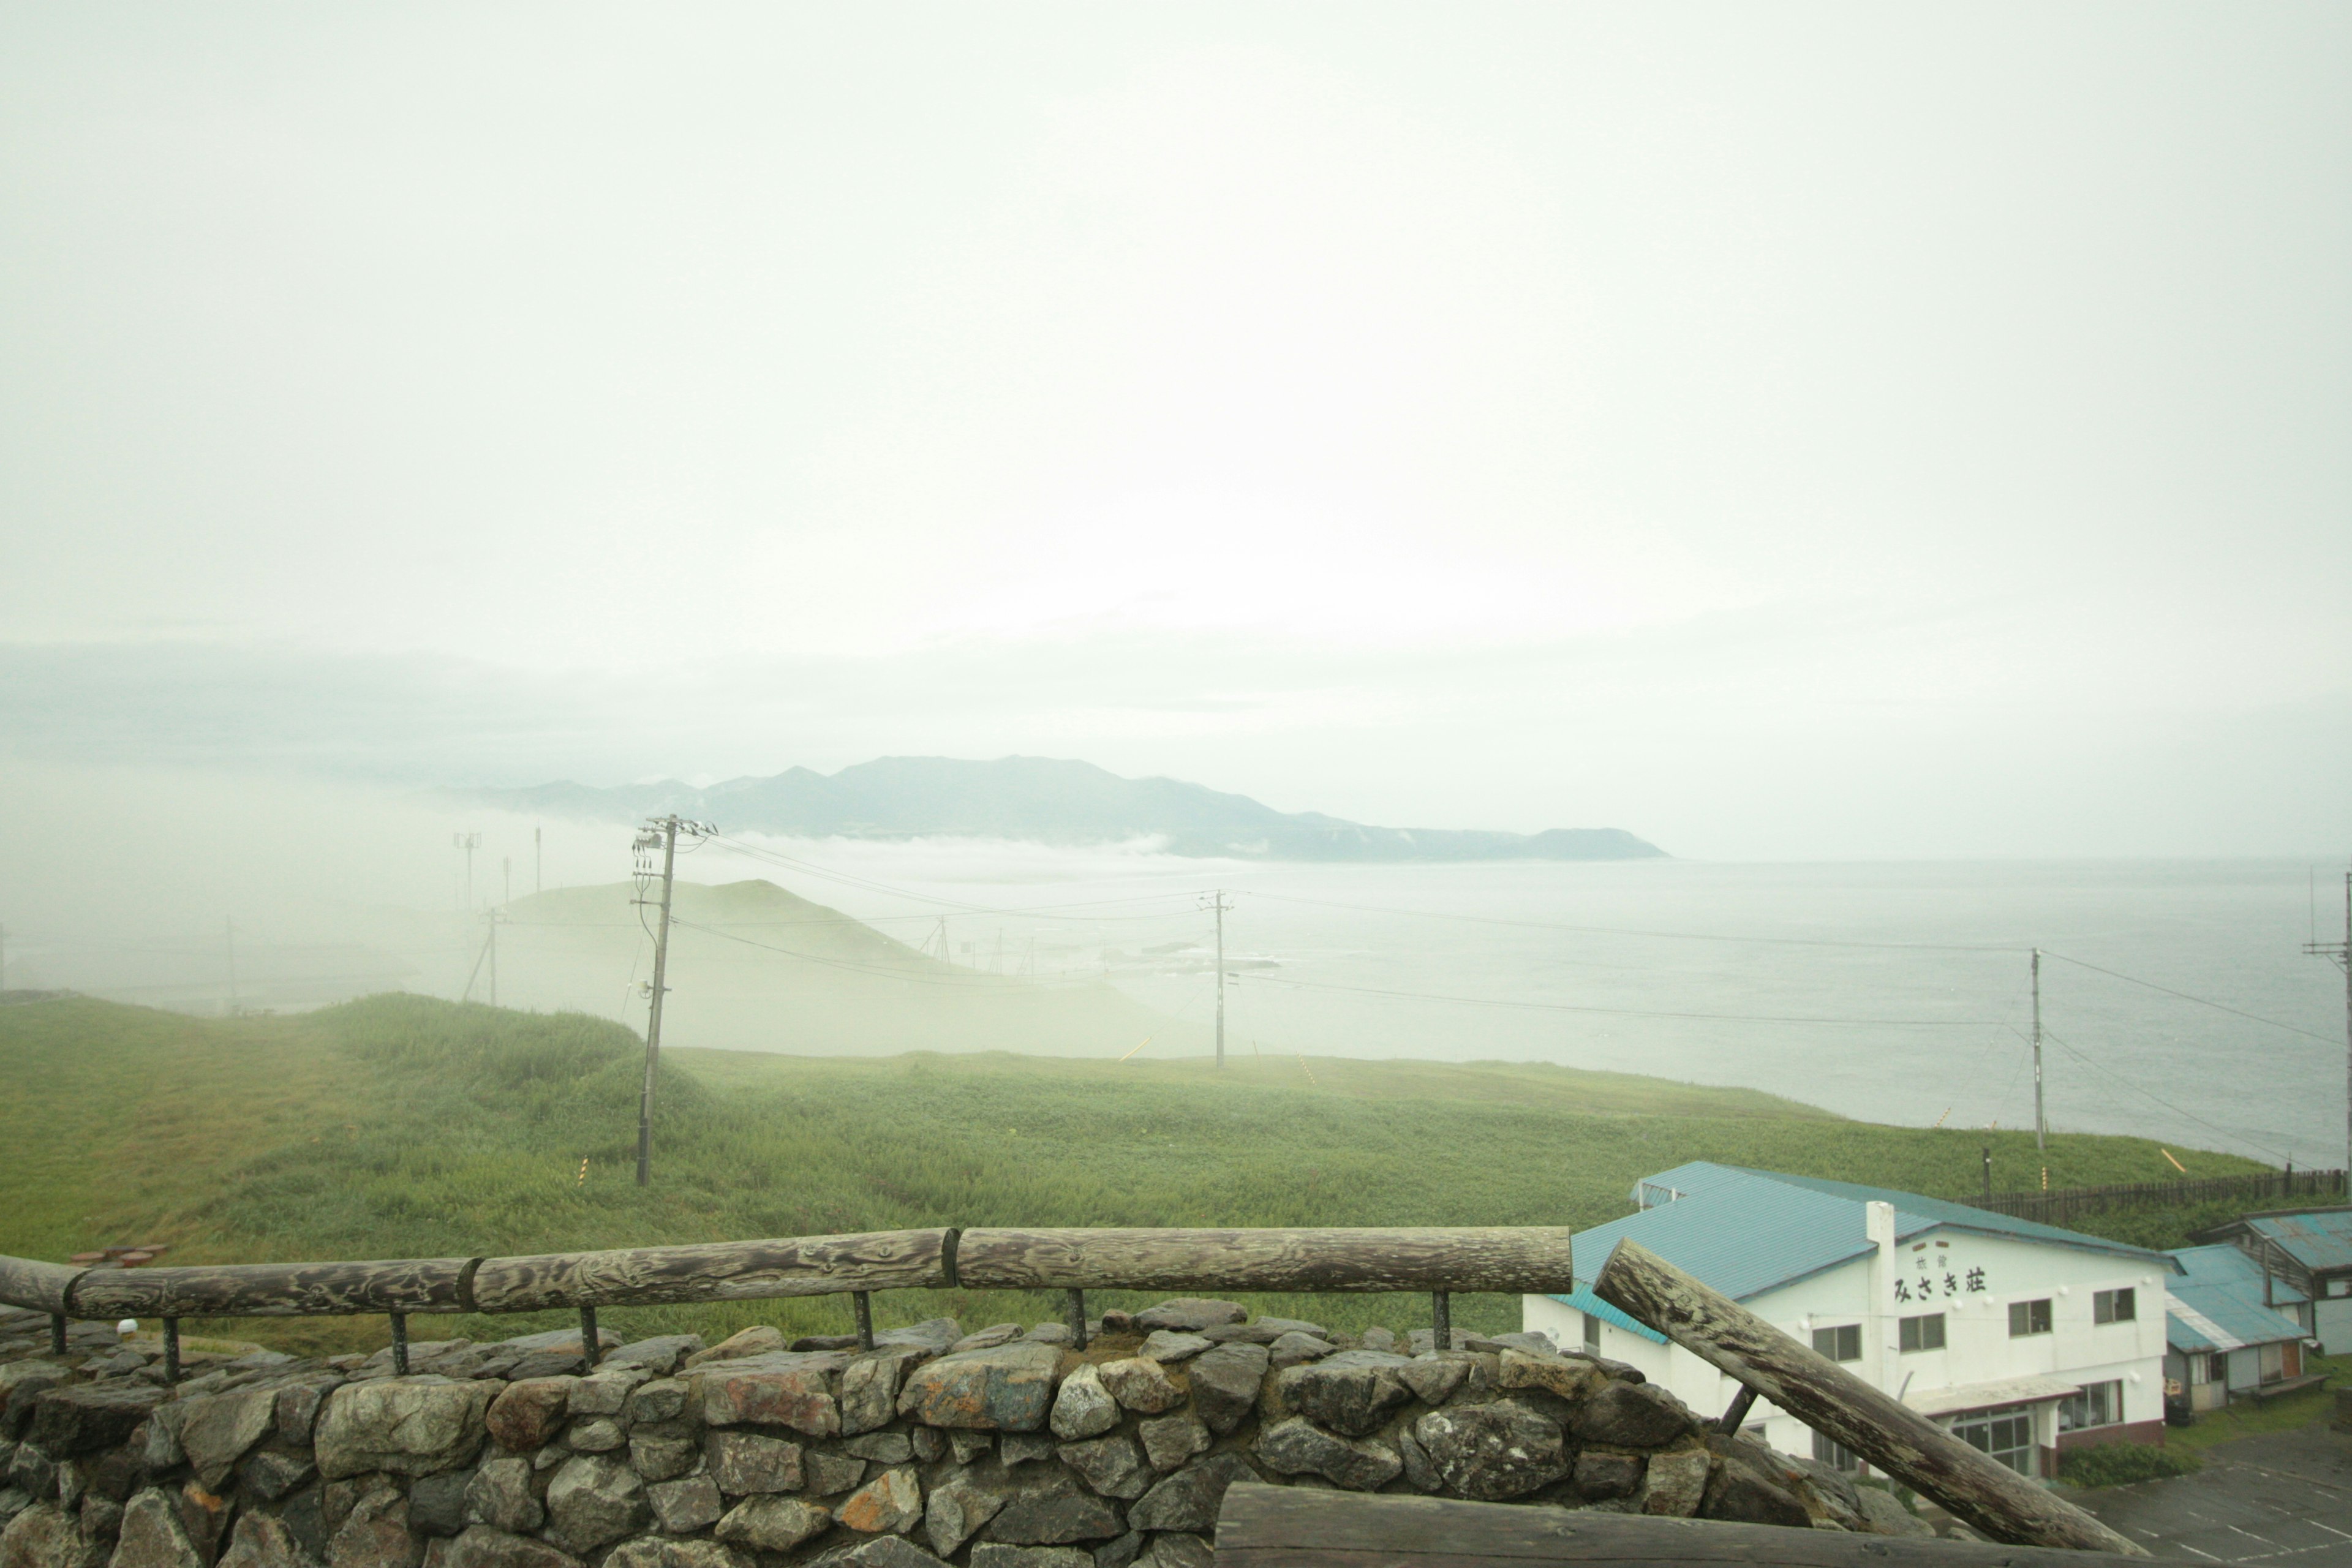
[1803, 430]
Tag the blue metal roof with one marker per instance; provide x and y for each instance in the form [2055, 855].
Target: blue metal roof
[2320, 1239]
[1746, 1232]
[2219, 1298]
[1584, 1301]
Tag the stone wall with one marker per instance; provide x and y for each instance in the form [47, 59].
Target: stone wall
[997, 1449]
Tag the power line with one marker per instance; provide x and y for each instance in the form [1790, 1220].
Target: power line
[2159, 1099]
[2185, 996]
[869, 885]
[1625, 1012]
[1629, 930]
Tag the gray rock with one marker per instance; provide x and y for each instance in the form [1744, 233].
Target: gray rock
[1055, 1514]
[1083, 1408]
[1112, 1465]
[1169, 1440]
[215, 1432]
[597, 1435]
[32, 1473]
[1434, 1378]
[1673, 1484]
[1005, 1388]
[1886, 1516]
[988, 1554]
[1293, 1349]
[272, 1473]
[152, 1536]
[658, 1458]
[746, 1463]
[892, 1551]
[1532, 1340]
[832, 1473]
[376, 1534]
[1180, 1549]
[73, 1419]
[955, 1511]
[1119, 1553]
[935, 1335]
[1489, 1452]
[684, 1506]
[654, 1554]
[659, 1399]
[657, 1357]
[1140, 1384]
[1632, 1415]
[1190, 1499]
[1418, 1473]
[1600, 1477]
[1023, 1448]
[1379, 1339]
[595, 1500]
[500, 1495]
[409, 1426]
[882, 1447]
[1190, 1314]
[1744, 1488]
[45, 1536]
[437, 1504]
[1050, 1334]
[482, 1547]
[988, 1338]
[607, 1393]
[968, 1446]
[1168, 1346]
[1226, 1382]
[793, 1389]
[1825, 1491]
[869, 1386]
[1353, 1393]
[261, 1541]
[891, 1503]
[773, 1523]
[1298, 1446]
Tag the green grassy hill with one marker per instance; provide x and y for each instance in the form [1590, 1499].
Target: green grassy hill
[402, 1126]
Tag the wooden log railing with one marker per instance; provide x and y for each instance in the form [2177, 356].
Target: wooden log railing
[1511, 1260]
[1972, 1486]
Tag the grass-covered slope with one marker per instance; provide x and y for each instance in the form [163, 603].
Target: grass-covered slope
[402, 1126]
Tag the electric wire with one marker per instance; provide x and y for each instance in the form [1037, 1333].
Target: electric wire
[1628, 931]
[1623, 1011]
[2185, 996]
[2177, 1110]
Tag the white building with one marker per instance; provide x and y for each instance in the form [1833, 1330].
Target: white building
[2021, 1338]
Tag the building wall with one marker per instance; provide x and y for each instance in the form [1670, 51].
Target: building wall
[2332, 1320]
[1979, 1348]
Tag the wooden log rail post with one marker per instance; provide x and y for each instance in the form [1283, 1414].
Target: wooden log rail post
[1986, 1495]
[1076, 1306]
[399, 1344]
[171, 1350]
[1441, 1319]
[862, 1302]
[592, 1340]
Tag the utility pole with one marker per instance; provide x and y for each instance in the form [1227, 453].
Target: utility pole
[466, 841]
[2040, 1127]
[660, 833]
[1223, 904]
[2340, 952]
[228, 926]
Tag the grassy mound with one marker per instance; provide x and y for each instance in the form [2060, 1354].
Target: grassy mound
[2121, 1464]
[405, 1126]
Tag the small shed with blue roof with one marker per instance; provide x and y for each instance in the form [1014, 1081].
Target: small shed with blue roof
[2021, 1338]
[2235, 1330]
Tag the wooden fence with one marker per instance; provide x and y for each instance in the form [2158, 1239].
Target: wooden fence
[2065, 1203]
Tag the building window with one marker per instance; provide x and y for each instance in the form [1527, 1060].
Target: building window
[2099, 1405]
[1592, 1333]
[1841, 1344]
[2028, 1317]
[2115, 1306]
[1924, 1332]
[2005, 1433]
[1835, 1454]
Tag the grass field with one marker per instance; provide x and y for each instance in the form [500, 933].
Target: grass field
[404, 1126]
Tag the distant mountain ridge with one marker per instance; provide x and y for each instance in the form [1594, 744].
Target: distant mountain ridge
[1048, 801]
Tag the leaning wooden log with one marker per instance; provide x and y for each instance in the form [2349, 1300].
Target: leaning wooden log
[1995, 1499]
[39, 1287]
[715, 1271]
[273, 1289]
[1292, 1527]
[1516, 1260]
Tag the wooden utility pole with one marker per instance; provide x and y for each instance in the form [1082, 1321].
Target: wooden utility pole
[2040, 1127]
[660, 833]
[2341, 952]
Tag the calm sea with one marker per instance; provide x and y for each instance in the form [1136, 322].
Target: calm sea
[1898, 993]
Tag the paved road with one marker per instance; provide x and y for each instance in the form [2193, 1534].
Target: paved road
[2282, 1496]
